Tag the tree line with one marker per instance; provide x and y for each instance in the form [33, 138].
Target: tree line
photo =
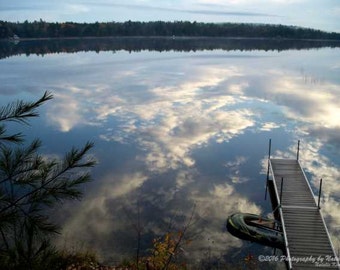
[42, 29]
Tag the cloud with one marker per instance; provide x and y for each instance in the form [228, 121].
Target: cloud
[65, 112]
[215, 206]
[167, 123]
[184, 178]
[308, 100]
[319, 107]
[182, 10]
[169, 143]
[335, 11]
[76, 9]
[320, 167]
[234, 170]
[171, 120]
[328, 136]
[228, 13]
[20, 6]
[99, 218]
[269, 126]
[106, 221]
[247, 2]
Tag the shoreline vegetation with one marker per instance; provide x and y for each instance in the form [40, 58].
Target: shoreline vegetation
[46, 30]
[41, 38]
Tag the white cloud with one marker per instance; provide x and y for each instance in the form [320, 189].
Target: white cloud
[97, 217]
[172, 122]
[215, 206]
[65, 112]
[76, 8]
[320, 107]
[269, 126]
[169, 143]
[234, 170]
[184, 178]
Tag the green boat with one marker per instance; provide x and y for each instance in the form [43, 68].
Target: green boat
[254, 228]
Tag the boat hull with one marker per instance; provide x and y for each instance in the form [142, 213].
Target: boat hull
[255, 229]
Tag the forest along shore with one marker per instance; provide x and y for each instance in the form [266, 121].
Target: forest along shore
[42, 29]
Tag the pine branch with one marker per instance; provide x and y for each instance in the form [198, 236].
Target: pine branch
[73, 158]
[29, 184]
[14, 138]
[19, 111]
[4, 239]
[14, 163]
[72, 161]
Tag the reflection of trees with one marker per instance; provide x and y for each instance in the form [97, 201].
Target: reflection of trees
[135, 44]
[166, 251]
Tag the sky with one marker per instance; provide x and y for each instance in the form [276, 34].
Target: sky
[323, 15]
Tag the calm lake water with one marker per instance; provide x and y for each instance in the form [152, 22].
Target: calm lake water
[182, 134]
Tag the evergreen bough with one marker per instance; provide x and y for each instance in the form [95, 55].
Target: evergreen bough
[30, 184]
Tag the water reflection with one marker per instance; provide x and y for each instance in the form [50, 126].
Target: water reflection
[160, 44]
[177, 130]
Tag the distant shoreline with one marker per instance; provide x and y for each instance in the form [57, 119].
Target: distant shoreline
[162, 29]
[168, 37]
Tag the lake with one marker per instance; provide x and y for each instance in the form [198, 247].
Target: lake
[181, 135]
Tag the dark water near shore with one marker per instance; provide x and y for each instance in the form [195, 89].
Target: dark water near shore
[182, 132]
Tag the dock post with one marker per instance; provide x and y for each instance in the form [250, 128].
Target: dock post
[319, 193]
[298, 150]
[281, 191]
[270, 147]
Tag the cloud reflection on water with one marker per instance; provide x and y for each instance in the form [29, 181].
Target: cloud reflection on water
[316, 105]
[106, 219]
[167, 107]
[173, 116]
[167, 124]
[172, 120]
[319, 166]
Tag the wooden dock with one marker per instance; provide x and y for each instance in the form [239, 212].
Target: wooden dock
[307, 241]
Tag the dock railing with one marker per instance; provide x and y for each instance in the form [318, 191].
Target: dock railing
[279, 200]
